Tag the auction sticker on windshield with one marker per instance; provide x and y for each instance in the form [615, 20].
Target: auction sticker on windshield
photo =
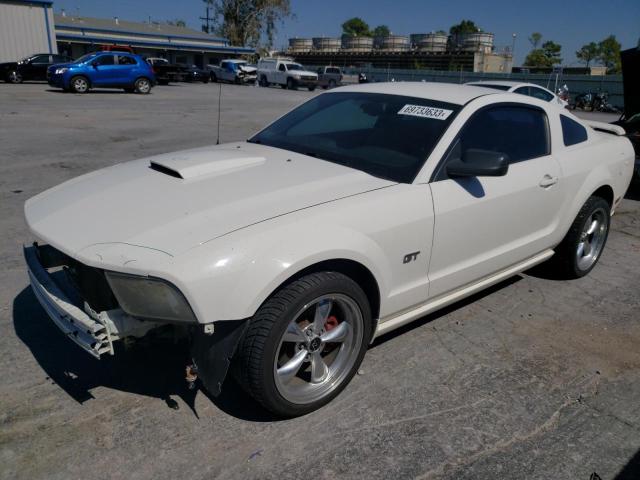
[425, 112]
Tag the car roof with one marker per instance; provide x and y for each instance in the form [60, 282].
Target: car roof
[506, 83]
[444, 92]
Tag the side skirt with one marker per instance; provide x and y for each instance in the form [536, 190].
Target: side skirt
[395, 321]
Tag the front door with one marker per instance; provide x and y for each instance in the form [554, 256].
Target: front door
[487, 224]
[104, 71]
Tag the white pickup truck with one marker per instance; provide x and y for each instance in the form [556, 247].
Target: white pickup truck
[286, 73]
[232, 70]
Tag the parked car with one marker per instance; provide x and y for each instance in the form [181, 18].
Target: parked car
[530, 89]
[233, 70]
[30, 68]
[329, 77]
[363, 209]
[103, 70]
[286, 73]
[195, 74]
[167, 72]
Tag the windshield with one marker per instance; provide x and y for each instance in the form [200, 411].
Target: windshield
[294, 66]
[85, 58]
[389, 136]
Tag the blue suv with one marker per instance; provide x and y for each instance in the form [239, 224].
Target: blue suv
[103, 70]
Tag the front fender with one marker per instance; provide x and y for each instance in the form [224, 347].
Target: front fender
[229, 278]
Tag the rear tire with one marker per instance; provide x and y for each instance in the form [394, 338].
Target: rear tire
[288, 359]
[213, 77]
[142, 86]
[79, 84]
[263, 81]
[581, 248]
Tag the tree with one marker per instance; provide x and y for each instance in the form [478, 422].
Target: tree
[547, 56]
[609, 54]
[381, 31]
[588, 53]
[552, 50]
[356, 27]
[536, 58]
[535, 39]
[465, 26]
[245, 22]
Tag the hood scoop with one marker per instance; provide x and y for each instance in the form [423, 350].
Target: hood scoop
[203, 162]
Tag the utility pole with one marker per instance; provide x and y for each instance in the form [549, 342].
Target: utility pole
[208, 18]
[513, 51]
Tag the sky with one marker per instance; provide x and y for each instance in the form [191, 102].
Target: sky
[571, 23]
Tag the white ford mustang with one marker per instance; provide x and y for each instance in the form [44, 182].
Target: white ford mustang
[359, 211]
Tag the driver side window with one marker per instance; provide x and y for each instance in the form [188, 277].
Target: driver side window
[282, 68]
[104, 60]
[520, 132]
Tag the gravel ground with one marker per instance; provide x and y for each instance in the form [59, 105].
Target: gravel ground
[534, 378]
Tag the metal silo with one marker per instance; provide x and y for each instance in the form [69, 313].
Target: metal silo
[433, 42]
[394, 43]
[327, 44]
[300, 45]
[357, 44]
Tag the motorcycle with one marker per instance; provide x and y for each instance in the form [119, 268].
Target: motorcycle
[598, 102]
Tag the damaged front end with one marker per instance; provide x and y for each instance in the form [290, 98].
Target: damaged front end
[95, 308]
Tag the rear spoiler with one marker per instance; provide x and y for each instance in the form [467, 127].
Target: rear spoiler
[606, 127]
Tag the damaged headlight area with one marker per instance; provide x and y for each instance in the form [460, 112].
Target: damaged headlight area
[150, 298]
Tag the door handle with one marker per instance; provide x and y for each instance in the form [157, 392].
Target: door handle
[548, 181]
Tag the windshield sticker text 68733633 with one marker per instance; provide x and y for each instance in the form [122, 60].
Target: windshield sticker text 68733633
[425, 112]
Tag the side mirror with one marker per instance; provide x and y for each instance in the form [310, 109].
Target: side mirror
[95, 64]
[479, 163]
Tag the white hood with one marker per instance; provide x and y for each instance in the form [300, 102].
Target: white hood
[176, 201]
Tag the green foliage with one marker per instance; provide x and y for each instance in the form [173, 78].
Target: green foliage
[609, 54]
[552, 50]
[535, 39]
[547, 56]
[356, 27]
[381, 31]
[245, 22]
[465, 26]
[588, 53]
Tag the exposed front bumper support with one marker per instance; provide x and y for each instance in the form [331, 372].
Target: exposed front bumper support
[94, 332]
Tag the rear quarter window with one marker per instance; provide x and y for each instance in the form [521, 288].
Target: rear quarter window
[572, 132]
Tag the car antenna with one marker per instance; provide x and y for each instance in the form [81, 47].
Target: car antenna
[219, 103]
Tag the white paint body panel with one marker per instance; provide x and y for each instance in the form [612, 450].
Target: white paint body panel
[245, 217]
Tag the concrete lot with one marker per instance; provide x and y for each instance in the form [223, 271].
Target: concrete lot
[533, 379]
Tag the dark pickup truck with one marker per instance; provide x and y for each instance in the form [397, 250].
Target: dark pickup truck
[167, 72]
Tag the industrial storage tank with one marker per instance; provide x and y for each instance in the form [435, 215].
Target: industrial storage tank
[433, 42]
[416, 38]
[477, 42]
[327, 44]
[394, 43]
[299, 45]
[357, 44]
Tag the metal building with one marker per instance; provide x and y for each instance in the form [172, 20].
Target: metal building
[26, 27]
[77, 35]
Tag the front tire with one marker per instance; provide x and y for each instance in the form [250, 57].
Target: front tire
[79, 84]
[581, 248]
[304, 344]
[14, 76]
[290, 84]
[142, 86]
